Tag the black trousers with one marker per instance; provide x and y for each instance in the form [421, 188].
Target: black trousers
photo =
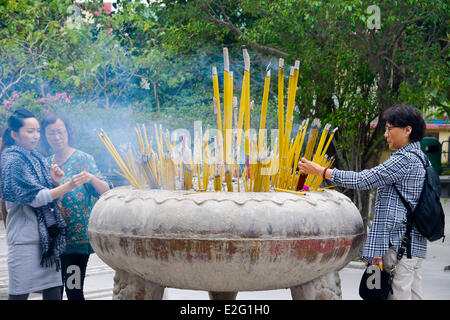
[47, 294]
[73, 272]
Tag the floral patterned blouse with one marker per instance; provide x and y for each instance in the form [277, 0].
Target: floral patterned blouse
[78, 203]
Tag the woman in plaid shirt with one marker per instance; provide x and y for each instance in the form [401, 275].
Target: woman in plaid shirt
[405, 128]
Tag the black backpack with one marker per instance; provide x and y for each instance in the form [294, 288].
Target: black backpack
[428, 216]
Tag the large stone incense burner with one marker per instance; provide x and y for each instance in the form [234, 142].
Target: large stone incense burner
[225, 242]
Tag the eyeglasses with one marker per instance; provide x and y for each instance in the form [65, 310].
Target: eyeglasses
[389, 128]
[56, 133]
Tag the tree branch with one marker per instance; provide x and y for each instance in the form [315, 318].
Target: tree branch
[231, 27]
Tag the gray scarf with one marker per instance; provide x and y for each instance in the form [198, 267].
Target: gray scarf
[24, 174]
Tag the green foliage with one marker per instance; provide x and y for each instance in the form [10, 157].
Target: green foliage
[152, 63]
[367, 70]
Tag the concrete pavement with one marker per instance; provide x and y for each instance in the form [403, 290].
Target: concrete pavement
[99, 277]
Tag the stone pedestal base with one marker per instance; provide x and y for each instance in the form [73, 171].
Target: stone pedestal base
[128, 286]
[326, 287]
[222, 295]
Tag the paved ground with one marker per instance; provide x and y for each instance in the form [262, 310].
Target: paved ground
[99, 279]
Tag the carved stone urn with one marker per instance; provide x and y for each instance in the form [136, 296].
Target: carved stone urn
[225, 242]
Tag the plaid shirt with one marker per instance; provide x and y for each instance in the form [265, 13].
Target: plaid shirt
[389, 224]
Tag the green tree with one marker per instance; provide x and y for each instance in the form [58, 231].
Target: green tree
[351, 68]
[29, 33]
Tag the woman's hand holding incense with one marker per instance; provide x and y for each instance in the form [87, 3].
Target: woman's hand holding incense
[309, 167]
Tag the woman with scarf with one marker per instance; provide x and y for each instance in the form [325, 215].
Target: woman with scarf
[35, 230]
[77, 204]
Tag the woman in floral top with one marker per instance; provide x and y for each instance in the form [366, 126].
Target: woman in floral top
[77, 204]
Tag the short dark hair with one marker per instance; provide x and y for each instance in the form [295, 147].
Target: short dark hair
[50, 118]
[403, 115]
[15, 122]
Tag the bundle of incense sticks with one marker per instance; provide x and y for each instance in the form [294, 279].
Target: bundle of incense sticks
[217, 182]
[159, 169]
[309, 150]
[127, 171]
[263, 170]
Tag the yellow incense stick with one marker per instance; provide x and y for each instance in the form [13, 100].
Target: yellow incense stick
[262, 121]
[315, 184]
[226, 97]
[247, 102]
[328, 142]
[317, 155]
[328, 187]
[291, 99]
[206, 161]
[229, 121]
[290, 191]
[304, 128]
[287, 130]
[242, 108]
[280, 109]
[228, 179]
[217, 183]
[309, 149]
[217, 97]
[321, 144]
[187, 178]
[108, 144]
